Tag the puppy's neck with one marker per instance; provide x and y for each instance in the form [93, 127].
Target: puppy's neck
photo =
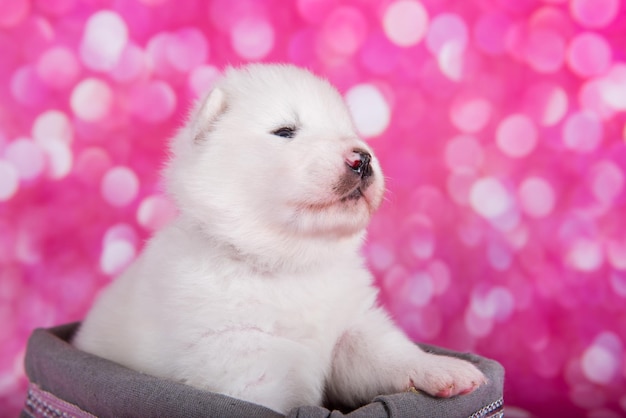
[276, 255]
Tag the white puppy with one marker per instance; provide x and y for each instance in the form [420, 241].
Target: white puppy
[257, 290]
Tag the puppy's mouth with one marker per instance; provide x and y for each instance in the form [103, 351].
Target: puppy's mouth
[343, 197]
[350, 187]
[355, 194]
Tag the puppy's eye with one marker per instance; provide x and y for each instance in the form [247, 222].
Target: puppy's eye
[285, 132]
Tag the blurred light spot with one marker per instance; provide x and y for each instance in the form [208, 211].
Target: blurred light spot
[517, 238]
[157, 56]
[548, 362]
[470, 115]
[428, 322]
[582, 131]
[444, 29]
[599, 365]
[153, 102]
[477, 325]
[314, 11]
[116, 256]
[610, 341]
[428, 200]
[186, 49]
[405, 22]
[463, 152]
[502, 301]
[589, 55]
[490, 198]
[594, 13]
[587, 396]
[91, 100]
[451, 60]
[369, 109]
[591, 98]
[585, 255]
[131, 64]
[394, 279]
[252, 38]
[59, 157]
[536, 197]
[224, 14]
[490, 32]
[603, 413]
[516, 136]
[52, 125]
[419, 289]
[56, 7]
[459, 184]
[120, 232]
[9, 180]
[344, 31]
[201, 79]
[380, 256]
[26, 157]
[499, 256]
[155, 211]
[26, 86]
[547, 17]
[471, 233]
[12, 12]
[507, 221]
[607, 181]
[618, 281]
[616, 253]
[440, 274]
[420, 236]
[119, 186]
[613, 87]
[545, 50]
[103, 41]
[153, 2]
[546, 103]
[58, 67]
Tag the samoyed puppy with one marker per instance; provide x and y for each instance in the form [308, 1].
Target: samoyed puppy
[257, 290]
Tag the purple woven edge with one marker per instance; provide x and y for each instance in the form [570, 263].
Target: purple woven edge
[40, 403]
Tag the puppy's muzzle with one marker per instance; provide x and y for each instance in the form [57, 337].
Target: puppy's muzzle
[359, 162]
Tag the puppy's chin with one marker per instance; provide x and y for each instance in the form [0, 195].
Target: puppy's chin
[337, 215]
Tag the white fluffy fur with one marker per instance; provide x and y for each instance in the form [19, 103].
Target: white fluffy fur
[257, 289]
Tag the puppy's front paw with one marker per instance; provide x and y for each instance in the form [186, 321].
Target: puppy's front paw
[445, 376]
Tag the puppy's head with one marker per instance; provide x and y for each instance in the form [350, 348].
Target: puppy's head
[272, 154]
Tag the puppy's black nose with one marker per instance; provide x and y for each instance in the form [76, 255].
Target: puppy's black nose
[359, 162]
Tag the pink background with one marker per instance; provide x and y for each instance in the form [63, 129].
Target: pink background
[499, 123]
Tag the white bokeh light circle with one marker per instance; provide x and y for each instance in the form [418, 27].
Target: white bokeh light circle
[537, 197]
[490, 198]
[369, 109]
[9, 180]
[516, 136]
[103, 41]
[91, 100]
[119, 186]
[405, 22]
[252, 38]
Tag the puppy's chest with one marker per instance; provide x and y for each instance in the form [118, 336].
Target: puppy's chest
[304, 308]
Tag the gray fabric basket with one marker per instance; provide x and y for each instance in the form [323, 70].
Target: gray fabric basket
[66, 382]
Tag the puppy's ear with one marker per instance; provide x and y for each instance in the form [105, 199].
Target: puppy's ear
[213, 106]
